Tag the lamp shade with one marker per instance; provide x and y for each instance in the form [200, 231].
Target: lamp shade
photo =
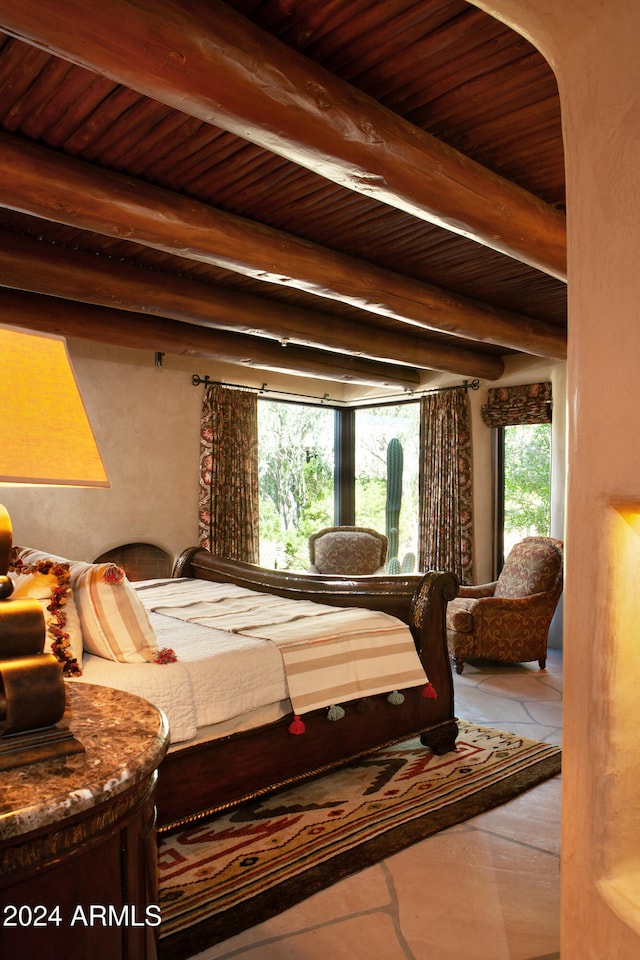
[45, 434]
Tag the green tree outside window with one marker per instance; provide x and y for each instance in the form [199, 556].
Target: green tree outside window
[527, 482]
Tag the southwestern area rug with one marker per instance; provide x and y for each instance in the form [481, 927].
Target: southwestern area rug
[227, 874]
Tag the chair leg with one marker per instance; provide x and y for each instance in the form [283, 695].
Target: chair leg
[459, 662]
[542, 662]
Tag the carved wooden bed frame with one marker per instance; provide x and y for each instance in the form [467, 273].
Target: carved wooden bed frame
[200, 779]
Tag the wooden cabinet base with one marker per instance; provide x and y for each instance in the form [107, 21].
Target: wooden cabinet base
[87, 889]
[78, 857]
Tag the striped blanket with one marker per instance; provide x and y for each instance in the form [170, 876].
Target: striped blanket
[330, 654]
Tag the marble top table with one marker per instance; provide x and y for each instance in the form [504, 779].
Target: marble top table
[124, 739]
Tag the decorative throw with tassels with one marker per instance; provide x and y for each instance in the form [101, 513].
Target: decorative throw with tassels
[331, 655]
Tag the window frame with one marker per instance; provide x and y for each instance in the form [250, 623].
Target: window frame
[498, 500]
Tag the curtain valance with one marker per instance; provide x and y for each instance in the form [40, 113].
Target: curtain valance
[526, 403]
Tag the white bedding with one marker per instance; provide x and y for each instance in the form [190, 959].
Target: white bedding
[219, 677]
[203, 687]
[331, 654]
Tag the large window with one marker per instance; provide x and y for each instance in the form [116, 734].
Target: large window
[320, 466]
[526, 482]
[521, 418]
[296, 478]
[386, 476]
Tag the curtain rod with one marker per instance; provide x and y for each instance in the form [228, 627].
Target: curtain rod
[466, 385]
[208, 382]
[407, 395]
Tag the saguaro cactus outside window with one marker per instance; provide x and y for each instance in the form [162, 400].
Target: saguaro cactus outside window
[395, 463]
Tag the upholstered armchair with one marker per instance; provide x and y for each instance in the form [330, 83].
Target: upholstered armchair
[509, 619]
[347, 551]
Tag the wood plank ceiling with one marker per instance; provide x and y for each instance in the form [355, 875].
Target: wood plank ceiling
[361, 192]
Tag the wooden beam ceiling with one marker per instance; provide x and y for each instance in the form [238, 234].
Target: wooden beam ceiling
[205, 60]
[32, 265]
[48, 185]
[119, 328]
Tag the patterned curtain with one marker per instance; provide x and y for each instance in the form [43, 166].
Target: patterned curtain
[446, 502]
[509, 406]
[228, 514]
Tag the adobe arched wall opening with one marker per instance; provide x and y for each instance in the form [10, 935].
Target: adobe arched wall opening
[593, 49]
[140, 561]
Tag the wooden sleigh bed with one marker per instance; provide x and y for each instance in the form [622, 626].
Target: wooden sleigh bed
[227, 693]
[202, 778]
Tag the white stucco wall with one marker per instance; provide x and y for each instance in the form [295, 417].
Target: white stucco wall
[146, 422]
[593, 47]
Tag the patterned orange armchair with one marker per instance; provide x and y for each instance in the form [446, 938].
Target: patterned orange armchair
[347, 551]
[509, 619]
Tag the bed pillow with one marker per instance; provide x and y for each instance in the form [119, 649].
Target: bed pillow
[115, 625]
[49, 582]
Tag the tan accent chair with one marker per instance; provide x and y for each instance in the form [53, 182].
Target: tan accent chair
[347, 551]
[509, 619]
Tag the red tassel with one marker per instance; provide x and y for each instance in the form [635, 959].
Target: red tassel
[166, 655]
[430, 692]
[296, 726]
[113, 574]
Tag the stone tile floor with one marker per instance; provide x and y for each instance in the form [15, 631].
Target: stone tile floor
[487, 889]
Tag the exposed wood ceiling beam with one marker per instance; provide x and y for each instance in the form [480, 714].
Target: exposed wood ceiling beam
[208, 61]
[44, 268]
[119, 328]
[47, 185]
